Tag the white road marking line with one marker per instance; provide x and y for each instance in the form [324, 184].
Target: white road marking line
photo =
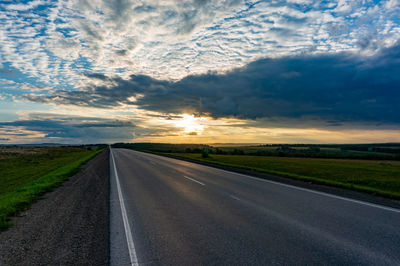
[194, 180]
[317, 192]
[233, 197]
[128, 233]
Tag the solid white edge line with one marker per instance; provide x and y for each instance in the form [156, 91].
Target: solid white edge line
[317, 192]
[194, 180]
[128, 233]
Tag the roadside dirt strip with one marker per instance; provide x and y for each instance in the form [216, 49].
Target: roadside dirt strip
[69, 227]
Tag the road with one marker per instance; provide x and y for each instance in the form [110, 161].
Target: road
[180, 213]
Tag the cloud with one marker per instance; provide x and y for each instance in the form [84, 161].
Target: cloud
[286, 63]
[329, 89]
[54, 41]
[21, 86]
[40, 127]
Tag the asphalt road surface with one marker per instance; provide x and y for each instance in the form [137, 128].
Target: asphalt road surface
[171, 212]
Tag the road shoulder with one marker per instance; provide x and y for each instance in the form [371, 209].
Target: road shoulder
[69, 226]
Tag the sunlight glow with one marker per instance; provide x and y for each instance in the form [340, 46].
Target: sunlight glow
[190, 123]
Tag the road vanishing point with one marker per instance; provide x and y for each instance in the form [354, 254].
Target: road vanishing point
[165, 211]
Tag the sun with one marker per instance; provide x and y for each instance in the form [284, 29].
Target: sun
[190, 123]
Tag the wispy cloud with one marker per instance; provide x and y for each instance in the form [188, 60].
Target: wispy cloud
[172, 39]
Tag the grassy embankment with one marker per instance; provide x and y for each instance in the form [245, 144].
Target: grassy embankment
[372, 176]
[26, 173]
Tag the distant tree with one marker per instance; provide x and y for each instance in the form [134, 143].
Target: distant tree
[238, 152]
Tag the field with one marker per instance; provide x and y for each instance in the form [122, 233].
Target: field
[26, 173]
[363, 151]
[385, 151]
[373, 176]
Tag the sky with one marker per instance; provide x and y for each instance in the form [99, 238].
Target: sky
[199, 71]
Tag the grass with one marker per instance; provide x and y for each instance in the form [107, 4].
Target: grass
[25, 177]
[311, 151]
[372, 176]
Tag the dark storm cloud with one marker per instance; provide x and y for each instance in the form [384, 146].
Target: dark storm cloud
[339, 88]
[95, 76]
[86, 129]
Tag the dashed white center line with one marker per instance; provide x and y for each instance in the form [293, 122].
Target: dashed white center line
[233, 197]
[198, 182]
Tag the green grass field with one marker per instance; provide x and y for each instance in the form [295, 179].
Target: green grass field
[372, 176]
[26, 173]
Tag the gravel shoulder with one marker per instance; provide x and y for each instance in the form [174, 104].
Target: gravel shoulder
[70, 226]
